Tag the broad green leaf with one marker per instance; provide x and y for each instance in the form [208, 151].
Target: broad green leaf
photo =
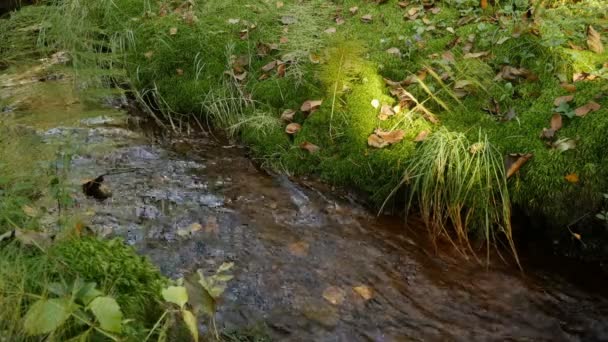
[57, 289]
[176, 294]
[107, 311]
[207, 303]
[190, 321]
[87, 293]
[46, 315]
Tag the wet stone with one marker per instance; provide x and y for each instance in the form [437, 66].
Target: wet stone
[97, 121]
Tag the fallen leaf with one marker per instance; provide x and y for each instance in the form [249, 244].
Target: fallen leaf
[547, 134]
[556, 122]
[484, 4]
[340, 21]
[515, 161]
[563, 99]
[594, 40]
[310, 147]
[314, 58]
[386, 110]
[173, 31]
[233, 21]
[403, 4]
[287, 115]
[565, 144]
[577, 236]
[280, 4]
[149, 54]
[572, 178]
[382, 138]
[330, 30]
[334, 295]
[476, 54]
[421, 136]
[293, 128]
[311, 105]
[367, 18]
[353, 10]
[510, 73]
[364, 291]
[299, 249]
[29, 211]
[590, 107]
[571, 88]
[281, 70]
[283, 40]
[269, 66]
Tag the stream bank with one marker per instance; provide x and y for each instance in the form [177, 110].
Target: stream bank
[309, 266]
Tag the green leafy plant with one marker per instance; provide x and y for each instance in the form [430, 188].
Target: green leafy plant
[79, 301]
[212, 287]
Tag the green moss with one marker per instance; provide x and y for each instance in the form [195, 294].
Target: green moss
[118, 270]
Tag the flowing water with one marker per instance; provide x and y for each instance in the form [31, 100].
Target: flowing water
[311, 265]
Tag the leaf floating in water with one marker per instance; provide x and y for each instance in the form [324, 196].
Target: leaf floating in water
[334, 295]
[299, 249]
[364, 291]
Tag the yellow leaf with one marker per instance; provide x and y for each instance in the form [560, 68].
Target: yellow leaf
[364, 291]
[572, 178]
[29, 211]
[334, 295]
[576, 236]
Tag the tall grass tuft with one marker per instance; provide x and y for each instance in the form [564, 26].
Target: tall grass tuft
[461, 190]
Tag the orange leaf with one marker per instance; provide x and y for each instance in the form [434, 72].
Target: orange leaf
[484, 4]
[364, 291]
[421, 136]
[556, 122]
[563, 99]
[310, 147]
[519, 162]
[299, 249]
[572, 178]
[292, 128]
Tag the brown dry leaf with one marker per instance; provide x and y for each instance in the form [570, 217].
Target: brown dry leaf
[311, 105]
[299, 249]
[592, 106]
[293, 128]
[483, 4]
[375, 141]
[334, 295]
[367, 18]
[476, 54]
[283, 40]
[173, 31]
[310, 147]
[287, 115]
[340, 21]
[180, 72]
[547, 134]
[594, 40]
[583, 76]
[387, 110]
[281, 70]
[280, 4]
[556, 122]
[403, 4]
[149, 54]
[572, 178]
[353, 10]
[510, 73]
[29, 211]
[577, 236]
[515, 161]
[563, 99]
[330, 30]
[263, 77]
[382, 138]
[571, 88]
[448, 56]
[364, 291]
[269, 66]
[421, 136]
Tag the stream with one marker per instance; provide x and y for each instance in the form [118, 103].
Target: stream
[309, 264]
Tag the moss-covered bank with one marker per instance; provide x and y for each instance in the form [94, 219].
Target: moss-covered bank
[211, 60]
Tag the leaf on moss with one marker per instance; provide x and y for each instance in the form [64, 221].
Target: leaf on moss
[571, 178]
[176, 295]
[173, 31]
[310, 147]
[293, 128]
[515, 161]
[472, 55]
[594, 40]
[421, 136]
[556, 122]
[382, 138]
[588, 108]
[571, 88]
[563, 99]
[311, 106]
[565, 144]
[268, 67]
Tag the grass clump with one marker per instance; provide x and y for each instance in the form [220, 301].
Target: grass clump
[461, 187]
